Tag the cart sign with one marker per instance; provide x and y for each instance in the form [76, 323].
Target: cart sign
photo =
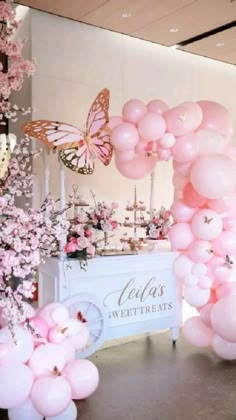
[139, 296]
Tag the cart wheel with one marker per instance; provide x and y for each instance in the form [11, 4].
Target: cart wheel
[97, 319]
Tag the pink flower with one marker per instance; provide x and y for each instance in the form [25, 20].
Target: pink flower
[71, 247]
[166, 215]
[88, 233]
[114, 224]
[82, 243]
[114, 205]
[91, 250]
[73, 240]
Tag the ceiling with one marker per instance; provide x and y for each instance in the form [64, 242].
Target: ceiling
[203, 27]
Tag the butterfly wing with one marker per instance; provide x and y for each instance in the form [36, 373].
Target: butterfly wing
[78, 159]
[97, 130]
[53, 133]
[7, 144]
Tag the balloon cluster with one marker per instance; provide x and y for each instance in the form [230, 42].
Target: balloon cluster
[39, 374]
[196, 135]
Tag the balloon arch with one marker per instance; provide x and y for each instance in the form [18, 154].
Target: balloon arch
[196, 135]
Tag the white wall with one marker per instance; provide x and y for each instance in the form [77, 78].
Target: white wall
[75, 61]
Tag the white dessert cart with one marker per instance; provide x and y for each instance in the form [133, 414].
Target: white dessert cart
[118, 295]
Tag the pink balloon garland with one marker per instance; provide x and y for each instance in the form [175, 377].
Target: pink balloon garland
[196, 135]
[37, 369]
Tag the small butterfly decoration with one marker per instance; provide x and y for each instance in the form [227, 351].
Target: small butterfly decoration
[77, 149]
[81, 317]
[228, 262]
[207, 220]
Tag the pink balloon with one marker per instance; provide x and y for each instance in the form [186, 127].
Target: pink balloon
[56, 335]
[181, 236]
[223, 348]
[183, 119]
[182, 168]
[83, 378]
[197, 333]
[179, 181]
[133, 111]
[70, 413]
[141, 148]
[81, 339]
[51, 395]
[167, 141]
[209, 142]
[163, 154]
[225, 244]
[229, 224]
[213, 176]
[60, 314]
[191, 280]
[68, 350]
[22, 345]
[125, 156]
[137, 168]
[192, 198]
[114, 121]
[181, 212]
[40, 326]
[200, 251]
[205, 314]
[45, 313]
[222, 274]
[5, 350]
[182, 266]
[206, 224]
[223, 204]
[157, 106]
[16, 383]
[216, 117]
[185, 149]
[45, 358]
[213, 263]
[205, 282]
[124, 137]
[227, 289]
[223, 318]
[195, 296]
[199, 269]
[151, 126]
[24, 411]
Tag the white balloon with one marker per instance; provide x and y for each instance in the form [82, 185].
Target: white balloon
[70, 413]
[25, 411]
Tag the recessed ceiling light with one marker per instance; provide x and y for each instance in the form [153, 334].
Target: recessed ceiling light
[126, 15]
[220, 44]
[174, 30]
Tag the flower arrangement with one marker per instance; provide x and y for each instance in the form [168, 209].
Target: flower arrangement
[102, 218]
[26, 236]
[159, 224]
[81, 239]
[16, 65]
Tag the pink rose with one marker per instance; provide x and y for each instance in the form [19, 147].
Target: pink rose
[73, 240]
[88, 233]
[82, 243]
[166, 215]
[70, 247]
[114, 205]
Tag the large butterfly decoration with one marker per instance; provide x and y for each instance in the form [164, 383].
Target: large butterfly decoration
[7, 144]
[78, 148]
